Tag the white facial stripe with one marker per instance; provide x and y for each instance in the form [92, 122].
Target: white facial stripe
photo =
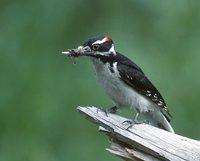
[112, 50]
[115, 67]
[101, 53]
[100, 41]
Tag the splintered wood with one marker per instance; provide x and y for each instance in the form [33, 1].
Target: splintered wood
[142, 141]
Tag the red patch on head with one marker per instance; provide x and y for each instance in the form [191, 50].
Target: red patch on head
[107, 38]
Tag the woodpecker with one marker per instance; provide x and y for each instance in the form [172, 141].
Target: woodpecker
[124, 82]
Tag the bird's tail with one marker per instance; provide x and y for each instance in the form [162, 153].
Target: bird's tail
[157, 119]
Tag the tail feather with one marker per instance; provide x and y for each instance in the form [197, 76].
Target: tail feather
[157, 119]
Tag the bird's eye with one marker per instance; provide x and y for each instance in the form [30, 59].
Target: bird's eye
[95, 47]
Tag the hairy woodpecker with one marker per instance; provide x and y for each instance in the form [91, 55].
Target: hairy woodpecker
[124, 82]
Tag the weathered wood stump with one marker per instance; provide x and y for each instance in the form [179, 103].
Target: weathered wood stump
[142, 141]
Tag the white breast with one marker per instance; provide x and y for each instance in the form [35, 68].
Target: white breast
[121, 94]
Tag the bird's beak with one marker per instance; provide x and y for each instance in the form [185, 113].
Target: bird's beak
[81, 50]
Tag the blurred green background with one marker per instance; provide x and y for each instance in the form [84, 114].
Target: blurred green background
[40, 88]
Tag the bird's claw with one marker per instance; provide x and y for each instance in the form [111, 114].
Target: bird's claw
[127, 121]
[133, 122]
[108, 110]
[130, 122]
[103, 110]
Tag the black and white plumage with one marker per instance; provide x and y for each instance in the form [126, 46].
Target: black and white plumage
[125, 82]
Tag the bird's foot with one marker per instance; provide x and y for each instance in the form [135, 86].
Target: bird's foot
[133, 122]
[108, 110]
[130, 122]
[112, 109]
[104, 110]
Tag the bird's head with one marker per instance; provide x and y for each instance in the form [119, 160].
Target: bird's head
[101, 45]
[97, 47]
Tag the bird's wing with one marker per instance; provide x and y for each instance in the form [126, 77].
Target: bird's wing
[134, 77]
